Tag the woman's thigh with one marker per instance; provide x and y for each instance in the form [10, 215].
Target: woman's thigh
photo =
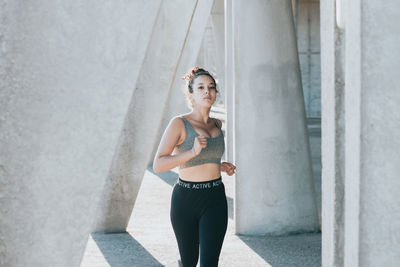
[212, 229]
[185, 227]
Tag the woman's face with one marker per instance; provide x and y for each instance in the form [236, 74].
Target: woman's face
[204, 91]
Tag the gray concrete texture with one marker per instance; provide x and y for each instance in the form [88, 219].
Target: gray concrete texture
[333, 145]
[67, 70]
[176, 103]
[217, 26]
[274, 186]
[361, 122]
[308, 43]
[148, 100]
[372, 121]
[150, 241]
[229, 81]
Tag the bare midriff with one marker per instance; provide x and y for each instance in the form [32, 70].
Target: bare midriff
[201, 173]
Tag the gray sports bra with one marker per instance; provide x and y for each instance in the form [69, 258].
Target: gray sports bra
[212, 153]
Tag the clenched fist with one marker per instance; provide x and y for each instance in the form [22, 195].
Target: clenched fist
[227, 167]
[200, 142]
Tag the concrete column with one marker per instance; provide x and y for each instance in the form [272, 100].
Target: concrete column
[217, 24]
[200, 57]
[229, 81]
[308, 44]
[372, 120]
[176, 103]
[67, 70]
[333, 142]
[144, 114]
[274, 185]
[206, 57]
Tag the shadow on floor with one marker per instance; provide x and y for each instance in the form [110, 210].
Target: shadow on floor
[170, 178]
[121, 249]
[289, 250]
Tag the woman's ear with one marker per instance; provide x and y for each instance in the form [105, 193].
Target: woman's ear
[190, 96]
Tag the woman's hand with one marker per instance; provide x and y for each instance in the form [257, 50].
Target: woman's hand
[227, 167]
[200, 142]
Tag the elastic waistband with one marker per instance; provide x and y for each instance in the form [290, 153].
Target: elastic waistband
[199, 185]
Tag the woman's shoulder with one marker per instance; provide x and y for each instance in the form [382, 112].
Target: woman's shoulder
[179, 117]
[178, 125]
[219, 122]
[183, 115]
[177, 121]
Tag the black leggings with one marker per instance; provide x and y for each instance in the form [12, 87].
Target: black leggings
[199, 214]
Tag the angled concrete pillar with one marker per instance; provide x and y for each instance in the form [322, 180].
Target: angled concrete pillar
[333, 142]
[67, 70]
[176, 103]
[372, 121]
[274, 185]
[149, 98]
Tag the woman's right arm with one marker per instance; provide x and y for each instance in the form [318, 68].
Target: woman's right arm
[164, 160]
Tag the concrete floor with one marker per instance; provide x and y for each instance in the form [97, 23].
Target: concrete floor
[150, 241]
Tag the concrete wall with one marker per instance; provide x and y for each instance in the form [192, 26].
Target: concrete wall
[67, 73]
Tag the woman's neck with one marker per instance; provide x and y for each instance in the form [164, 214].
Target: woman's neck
[201, 115]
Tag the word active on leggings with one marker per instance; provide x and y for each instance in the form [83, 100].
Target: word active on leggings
[199, 185]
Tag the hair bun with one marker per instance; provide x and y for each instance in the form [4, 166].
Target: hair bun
[192, 74]
[195, 71]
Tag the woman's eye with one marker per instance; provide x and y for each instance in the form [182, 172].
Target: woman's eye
[213, 88]
[201, 87]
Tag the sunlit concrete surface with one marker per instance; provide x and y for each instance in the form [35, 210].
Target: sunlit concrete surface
[150, 241]
[67, 72]
[144, 112]
[274, 191]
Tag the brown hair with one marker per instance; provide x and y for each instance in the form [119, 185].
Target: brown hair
[192, 74]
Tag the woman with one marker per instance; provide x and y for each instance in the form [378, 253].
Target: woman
[195, 143]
